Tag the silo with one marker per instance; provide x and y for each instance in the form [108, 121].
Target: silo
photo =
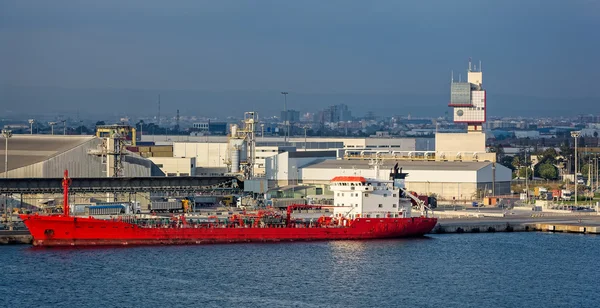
[235, 159]
[244, 152]
[235, 145]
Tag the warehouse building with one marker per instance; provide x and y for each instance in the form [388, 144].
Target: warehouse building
[47, 156]
[452, 180]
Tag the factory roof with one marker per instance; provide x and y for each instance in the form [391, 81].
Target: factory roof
[406, 165]
[25, 150]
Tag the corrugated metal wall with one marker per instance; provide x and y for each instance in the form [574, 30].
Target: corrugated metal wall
[81, 164]
[77, 161]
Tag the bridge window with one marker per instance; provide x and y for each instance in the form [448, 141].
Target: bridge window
[384, 195]
[394, 195]
[380, 205]
[393, 205]
[366, 195]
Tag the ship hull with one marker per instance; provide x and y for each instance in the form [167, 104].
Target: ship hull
[76, 231]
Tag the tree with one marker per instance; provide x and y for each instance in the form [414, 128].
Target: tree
[507, 162]
[549, 156]
[516, 162]
[565, 149]
[83, 130]
[524, 172]
[584, 170]
[547, 171]
[499, 150]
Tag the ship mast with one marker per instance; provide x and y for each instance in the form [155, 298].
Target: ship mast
[66, 182]
[376, 163]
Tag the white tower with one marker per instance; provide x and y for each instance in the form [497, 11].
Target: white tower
[468, 99]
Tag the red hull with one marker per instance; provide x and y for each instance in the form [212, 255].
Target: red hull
[71, 231]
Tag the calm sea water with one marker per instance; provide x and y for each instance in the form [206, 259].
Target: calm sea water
[468, 270]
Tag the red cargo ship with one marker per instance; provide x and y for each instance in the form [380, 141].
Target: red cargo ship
[363, 209]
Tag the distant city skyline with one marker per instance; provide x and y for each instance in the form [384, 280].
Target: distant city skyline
[389, 57]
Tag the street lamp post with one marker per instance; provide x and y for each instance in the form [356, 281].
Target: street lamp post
[52, 127]
[526, 177]
[286, 121]
[31, 121]
[575, 135]
[7, 134]
[262, 131]
[305, 128]
[64, 122]
[596, 159]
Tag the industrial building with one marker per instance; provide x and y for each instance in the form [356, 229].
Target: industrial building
[320, 143]
[47, 156]
[213, 152]
[211, 128]
[447, 180]
[175, 166]
[206, 154]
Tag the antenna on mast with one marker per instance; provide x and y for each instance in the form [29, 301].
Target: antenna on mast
[480, 66]
[375, 163]
[452, 76]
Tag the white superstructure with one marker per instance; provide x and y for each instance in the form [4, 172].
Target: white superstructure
[357, 196]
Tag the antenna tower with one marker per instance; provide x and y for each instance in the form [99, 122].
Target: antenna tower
[158, 119]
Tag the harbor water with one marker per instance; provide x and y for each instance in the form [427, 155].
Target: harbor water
[469, 270]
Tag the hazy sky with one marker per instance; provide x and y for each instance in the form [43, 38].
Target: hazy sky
[541, 48]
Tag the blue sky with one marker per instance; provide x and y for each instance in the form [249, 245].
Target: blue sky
[538, 48]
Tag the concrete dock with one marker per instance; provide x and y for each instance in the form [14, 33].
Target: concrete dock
[15, 237]
[516, 221]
